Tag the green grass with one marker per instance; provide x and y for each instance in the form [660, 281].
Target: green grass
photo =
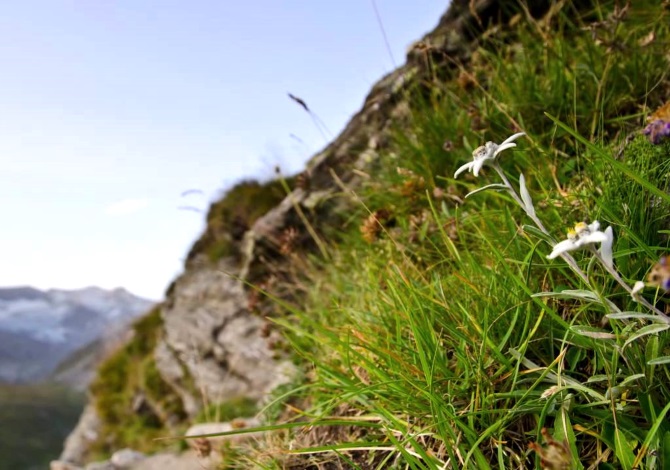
[126, 378]
[425, 333]
[34, 422]
[228, 410]
[230, 217]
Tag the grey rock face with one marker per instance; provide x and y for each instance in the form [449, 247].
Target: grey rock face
[185, 461]
[104, 465]
[126, 458]
[211, 336]
[80, 439]
[60, 465]
[174, 373]
[214, 443]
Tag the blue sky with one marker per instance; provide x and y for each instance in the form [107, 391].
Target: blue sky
[111, 110]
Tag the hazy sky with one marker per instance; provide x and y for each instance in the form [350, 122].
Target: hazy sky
[109, 110]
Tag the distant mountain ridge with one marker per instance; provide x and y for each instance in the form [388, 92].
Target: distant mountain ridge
[39, 329]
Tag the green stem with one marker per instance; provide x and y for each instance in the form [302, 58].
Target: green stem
[568, 258]
[617, 277]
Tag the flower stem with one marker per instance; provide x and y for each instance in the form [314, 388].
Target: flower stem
[613, 272]
[566, 257]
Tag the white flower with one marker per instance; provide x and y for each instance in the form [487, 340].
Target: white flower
[583, 235]
[606, 248]
[486, 153]
[637, 288]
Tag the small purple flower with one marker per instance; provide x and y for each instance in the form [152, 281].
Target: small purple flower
[660, 274]
[657, 130]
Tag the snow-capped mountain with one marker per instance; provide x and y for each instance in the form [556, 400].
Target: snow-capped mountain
[38, 329]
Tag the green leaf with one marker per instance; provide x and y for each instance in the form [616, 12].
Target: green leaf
[651, 435]
[564, 432]
[630, 379]
[525, 196]
[646, 330]
[597, 378]
[578, 294]
[623, 450]
[592, 332]
[664, 451]
[538, 233]
[651, 353]
[496, 186]
[641, 316]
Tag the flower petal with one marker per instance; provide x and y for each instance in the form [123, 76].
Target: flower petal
[467, 166]
[594, 226]
[512, 138]
[593, 237]
[606, 247]
[637, 288]
[502, 147]
[525, 196]
[477, 165]
[562, 247]
[488, 151]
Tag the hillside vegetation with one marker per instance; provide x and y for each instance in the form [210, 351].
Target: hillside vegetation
[34, 422]
[444, 327]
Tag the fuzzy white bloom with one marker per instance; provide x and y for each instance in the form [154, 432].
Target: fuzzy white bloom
[637, 288]
[487, 153]
[583, 235]
[606, 248]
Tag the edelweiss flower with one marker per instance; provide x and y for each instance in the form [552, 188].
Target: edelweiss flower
[583, 235]
[487, 153]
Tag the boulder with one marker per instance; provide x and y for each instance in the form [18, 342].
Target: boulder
[102, 465]
[126, 458]
[61, 465]
[203, 429]
[80, 439]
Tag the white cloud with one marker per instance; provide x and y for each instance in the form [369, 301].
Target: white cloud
[127, 206]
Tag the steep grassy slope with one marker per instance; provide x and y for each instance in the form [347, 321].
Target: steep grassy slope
[430, 327]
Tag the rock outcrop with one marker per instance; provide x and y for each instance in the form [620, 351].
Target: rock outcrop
[79, 441]
[213, 340]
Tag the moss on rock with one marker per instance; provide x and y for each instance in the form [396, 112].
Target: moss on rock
[230, 217]
[134, 403]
